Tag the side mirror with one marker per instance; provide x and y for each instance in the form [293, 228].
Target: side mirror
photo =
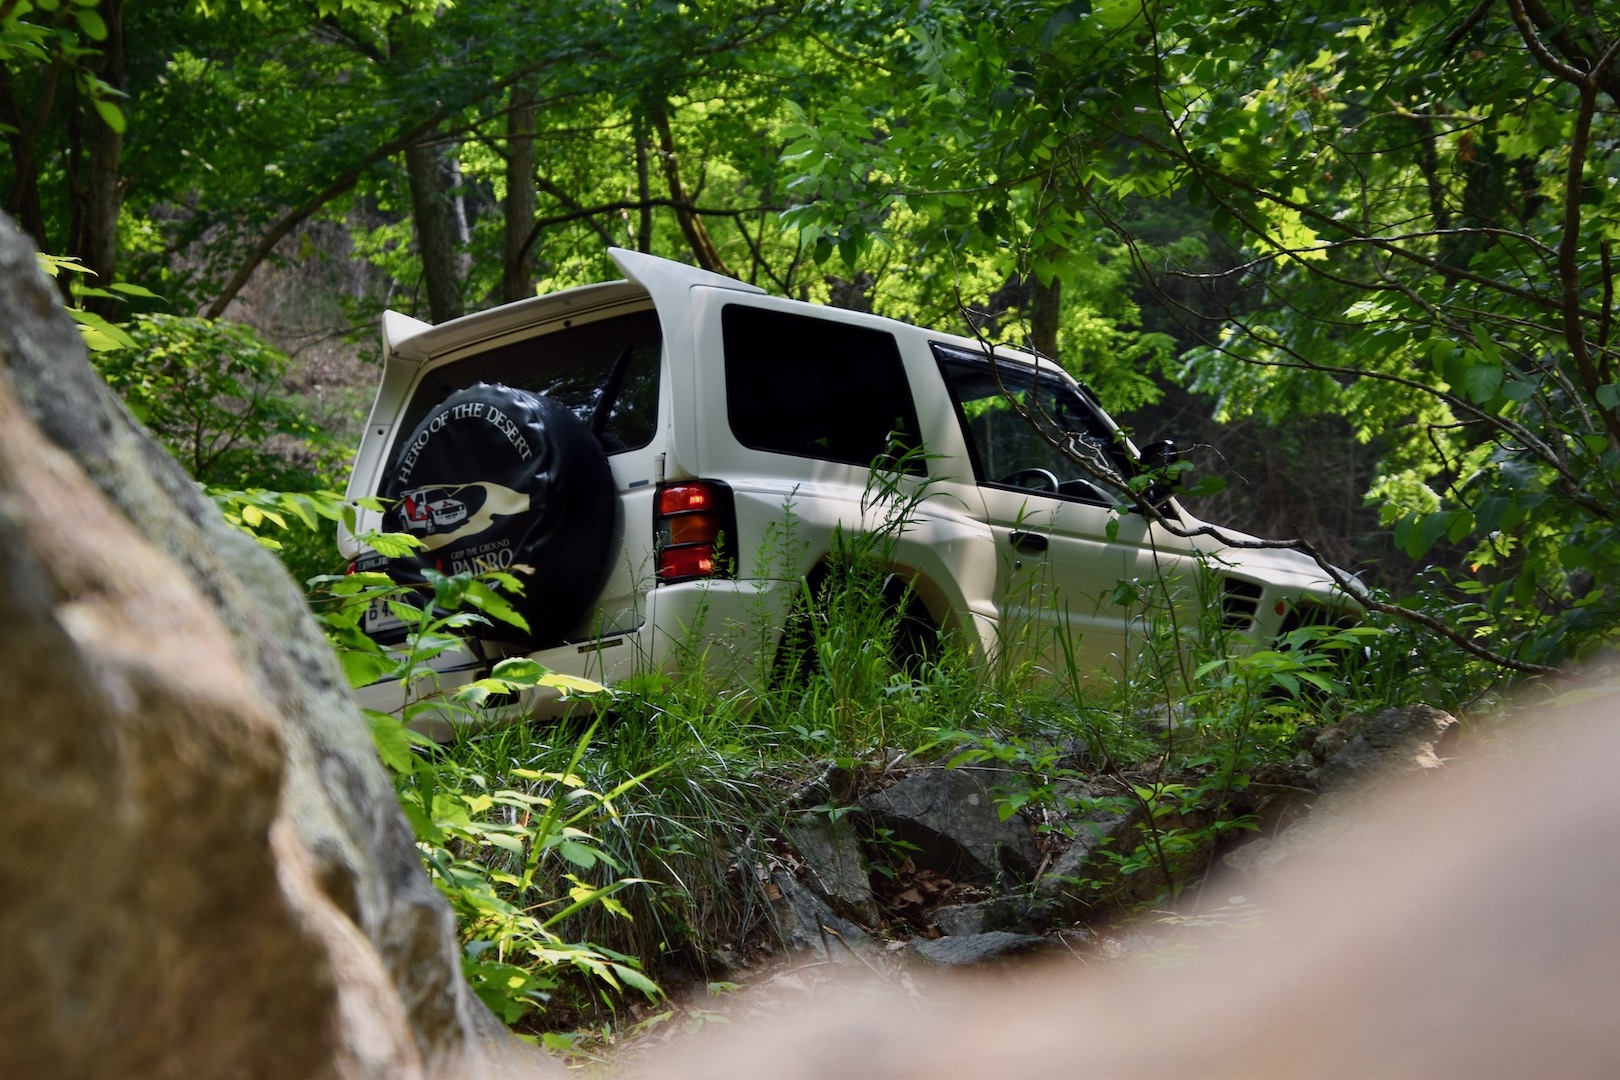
[1157, 458]
[1158, 461]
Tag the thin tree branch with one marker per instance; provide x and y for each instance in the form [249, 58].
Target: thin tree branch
[300, 213]
[584, 212]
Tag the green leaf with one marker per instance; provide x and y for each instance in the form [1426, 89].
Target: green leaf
[572, 684]
[1482, 381]
[363, 668]
[480, 596]
[99, 334]
[505, 841]
[110, 114]
[519, 671]
[92, 26]
[1429, 529]
[393, 745]
[579, 854]
[391, 545]
[634, 979]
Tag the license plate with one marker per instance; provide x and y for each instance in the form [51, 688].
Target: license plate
[380, 619]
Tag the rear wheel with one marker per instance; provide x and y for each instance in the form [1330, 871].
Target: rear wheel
[915, 643]
[829, 598]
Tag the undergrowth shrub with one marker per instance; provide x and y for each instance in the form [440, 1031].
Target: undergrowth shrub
[633, 840]
[509, 836]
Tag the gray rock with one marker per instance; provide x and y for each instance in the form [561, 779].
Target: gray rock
[963, 920]
[807, 924]
[976, 948]
[207, 870]
[951, 816]
[1407, 738]
[1016, 913]
[1072, 883]
[837, 869]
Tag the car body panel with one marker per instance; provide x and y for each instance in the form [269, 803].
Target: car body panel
[1006, 566]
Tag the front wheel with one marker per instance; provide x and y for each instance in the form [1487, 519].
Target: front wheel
[915, 643]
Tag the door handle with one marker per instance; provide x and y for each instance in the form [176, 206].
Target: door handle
[1027, 542]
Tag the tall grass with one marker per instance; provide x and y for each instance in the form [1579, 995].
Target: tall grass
[590, 857]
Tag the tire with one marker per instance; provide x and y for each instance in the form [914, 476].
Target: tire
[496, 478]
[915, 642]
[916, 638]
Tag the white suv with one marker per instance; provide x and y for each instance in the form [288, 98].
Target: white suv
[671, 457]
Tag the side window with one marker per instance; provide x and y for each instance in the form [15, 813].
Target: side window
[814, 387]
[1068, 450]
[610, 364]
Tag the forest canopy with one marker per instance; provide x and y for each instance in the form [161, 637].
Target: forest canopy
[1379, 234]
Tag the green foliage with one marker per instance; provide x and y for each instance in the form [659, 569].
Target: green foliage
[510, 847]
[1224, 710]
[1412, 233]
[857, 652]
[512, 851]
[211, 393]
[100, 334]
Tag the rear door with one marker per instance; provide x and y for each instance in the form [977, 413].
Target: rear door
[606, 366]
[795, 403]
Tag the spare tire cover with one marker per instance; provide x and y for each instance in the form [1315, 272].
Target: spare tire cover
[496, 478]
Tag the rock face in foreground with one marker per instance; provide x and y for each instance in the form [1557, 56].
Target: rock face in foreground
[205, 872]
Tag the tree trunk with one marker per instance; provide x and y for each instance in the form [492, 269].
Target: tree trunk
[22, 134]
[644, 218]
[1044, 306]
[697, 235]
[435, 232]
[517, 265]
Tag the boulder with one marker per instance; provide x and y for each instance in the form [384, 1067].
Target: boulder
[977, 948]
[950, 815]
[1078, 878]
[805, 922]
[834, 864]
[1403, 739]
[207, 872]
[1017, 913]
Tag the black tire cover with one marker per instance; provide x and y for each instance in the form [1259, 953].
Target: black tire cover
[500, 478]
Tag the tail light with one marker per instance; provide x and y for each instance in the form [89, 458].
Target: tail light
[694, 524]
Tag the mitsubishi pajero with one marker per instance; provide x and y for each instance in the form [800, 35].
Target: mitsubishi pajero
[672, 455]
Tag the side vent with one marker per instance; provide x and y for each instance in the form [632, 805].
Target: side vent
[1240, 601]
[1306, 613]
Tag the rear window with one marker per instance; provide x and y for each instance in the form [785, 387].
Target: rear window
[610, 363]
[815, 388]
